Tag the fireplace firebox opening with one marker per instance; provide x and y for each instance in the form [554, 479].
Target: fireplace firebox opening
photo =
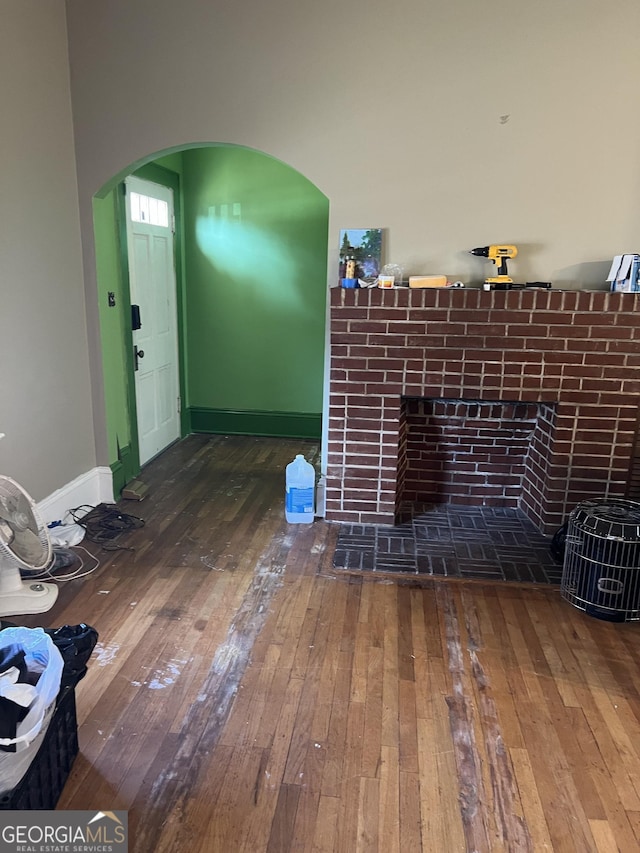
[472, 453]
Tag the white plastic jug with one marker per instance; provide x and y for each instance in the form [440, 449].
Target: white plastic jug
[300, 491]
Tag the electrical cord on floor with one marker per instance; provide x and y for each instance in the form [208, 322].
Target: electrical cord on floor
[103, 524]
[50, 572]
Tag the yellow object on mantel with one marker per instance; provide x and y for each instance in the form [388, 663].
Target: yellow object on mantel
[427, 281]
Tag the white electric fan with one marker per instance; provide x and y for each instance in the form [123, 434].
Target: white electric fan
[24, 546]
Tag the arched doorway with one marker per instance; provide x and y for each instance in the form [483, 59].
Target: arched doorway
[251, 258]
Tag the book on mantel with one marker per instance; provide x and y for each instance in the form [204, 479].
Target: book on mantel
[624, 273]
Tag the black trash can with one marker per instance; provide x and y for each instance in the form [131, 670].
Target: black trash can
[601, 571]
[42, 784]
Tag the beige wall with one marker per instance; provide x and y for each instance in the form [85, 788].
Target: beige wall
[451, 123]
[45, 397]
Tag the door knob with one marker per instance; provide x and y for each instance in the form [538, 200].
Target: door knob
[137, 354]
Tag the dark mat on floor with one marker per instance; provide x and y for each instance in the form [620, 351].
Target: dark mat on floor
[447, 541]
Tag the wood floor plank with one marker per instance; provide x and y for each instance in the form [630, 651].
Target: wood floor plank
[372, 744]
[603, 837]
[299, 739]
[582, 756]
[388, 830]
[350, 787]
[405, 639]
[440, 809]
[634, 821]
[183, 826]
[368, 810]
[412, 818]
[361, 645]
[618, 746]
[408, 729]
[244, 786]
[306, 818]
[554, 781]
[392, 704]
[332, 774]
[244, 723]
[530, 799]
[464, 745]
[285, 718]
[326, 829]
[283, 821]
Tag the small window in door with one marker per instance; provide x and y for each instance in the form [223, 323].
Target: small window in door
[153, 211]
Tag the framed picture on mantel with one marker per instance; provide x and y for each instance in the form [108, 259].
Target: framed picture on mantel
[360, 254]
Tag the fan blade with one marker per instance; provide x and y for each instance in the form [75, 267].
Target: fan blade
[28, 547]
[17, 511]
[22, 535]
[6, 532]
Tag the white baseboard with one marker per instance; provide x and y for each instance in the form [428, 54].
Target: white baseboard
[94, 487]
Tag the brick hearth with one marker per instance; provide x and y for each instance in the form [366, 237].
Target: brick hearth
[571, 356]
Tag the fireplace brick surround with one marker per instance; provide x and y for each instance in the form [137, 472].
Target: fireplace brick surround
[574, 354]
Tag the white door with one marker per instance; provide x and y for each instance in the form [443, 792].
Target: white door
[153, 290]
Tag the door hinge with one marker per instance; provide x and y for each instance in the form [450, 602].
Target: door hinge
[173, 224]
[179, 405]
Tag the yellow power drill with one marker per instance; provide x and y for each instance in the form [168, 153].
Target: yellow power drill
[499, 255]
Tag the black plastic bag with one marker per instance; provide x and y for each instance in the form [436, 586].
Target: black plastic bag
[75, 643]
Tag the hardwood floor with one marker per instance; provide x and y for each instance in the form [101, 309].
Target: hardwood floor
[245, 696]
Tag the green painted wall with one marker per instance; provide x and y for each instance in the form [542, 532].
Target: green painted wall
[173, 162]
[112, 323]
[256, 283]
[253, 298]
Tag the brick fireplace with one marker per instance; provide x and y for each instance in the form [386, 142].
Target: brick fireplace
[517, 398]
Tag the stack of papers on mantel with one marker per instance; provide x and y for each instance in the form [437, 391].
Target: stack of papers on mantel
[623, 275]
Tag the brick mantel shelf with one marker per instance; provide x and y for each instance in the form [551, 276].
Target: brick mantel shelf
[573, 353]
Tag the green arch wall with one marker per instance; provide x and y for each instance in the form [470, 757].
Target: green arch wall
[256, 283]
[254, 298]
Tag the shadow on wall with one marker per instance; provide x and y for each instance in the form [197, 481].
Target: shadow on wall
[587, 276]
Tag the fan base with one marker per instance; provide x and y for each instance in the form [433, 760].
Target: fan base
[33, 597]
